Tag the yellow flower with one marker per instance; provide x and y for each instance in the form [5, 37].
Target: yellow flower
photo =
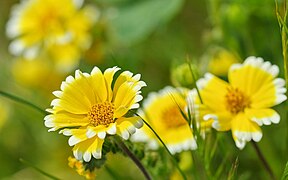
[59, 28]
[161, 111]
[81, 169]
[89, 108]
[34, 73]
[219, 60]
[245, 103]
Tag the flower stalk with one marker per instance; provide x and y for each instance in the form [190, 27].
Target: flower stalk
[22, 101]
[263, 160]
[138, 163]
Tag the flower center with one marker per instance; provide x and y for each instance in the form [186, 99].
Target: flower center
[173, 118]
[236, 101]
[101, 114]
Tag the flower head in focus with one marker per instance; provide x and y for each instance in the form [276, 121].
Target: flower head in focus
[243, 104]
[162, 111]
[58, 28]
[88, 108]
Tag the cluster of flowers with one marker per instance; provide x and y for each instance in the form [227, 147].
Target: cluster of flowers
[89, 107]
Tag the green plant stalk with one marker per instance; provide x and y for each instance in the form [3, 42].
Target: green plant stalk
[133, 158]
[22, 101]
[38, 169]
[172, 157]
[284, 31]
[233, 169]
[194, 80]
[263, 160]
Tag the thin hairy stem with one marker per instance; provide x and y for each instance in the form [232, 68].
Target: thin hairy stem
[133, 158]
[263, 160]
[22, 101]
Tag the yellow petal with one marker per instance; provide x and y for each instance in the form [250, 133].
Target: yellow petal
[88, 148]
[98, 85]
[213, 91]
[263, 116]
[244, 130]
[64, 119]
[127, 126]
[108, 75]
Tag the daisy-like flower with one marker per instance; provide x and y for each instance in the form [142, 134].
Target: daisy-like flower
[59, 29]
[88, 108]
[162, 111]
[243, 104]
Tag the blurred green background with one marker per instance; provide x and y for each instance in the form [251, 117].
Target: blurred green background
[150, 37]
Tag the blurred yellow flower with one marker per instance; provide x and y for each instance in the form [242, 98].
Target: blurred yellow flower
[245, 103]
[32, 74]
[220, 62]
[81, 169]
[89, 108]
[59, 28]
[161, 111]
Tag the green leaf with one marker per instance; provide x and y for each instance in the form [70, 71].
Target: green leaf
[285, 174]
[135, 22]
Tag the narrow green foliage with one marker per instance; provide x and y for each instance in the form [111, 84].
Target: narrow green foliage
[22, 101]
[38, 169]
[285, 174]
[194, 79]
[282, 20]
[233, 169]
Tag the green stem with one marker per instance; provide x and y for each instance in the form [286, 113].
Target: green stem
[22, 101]
[194, 80]
[172, 157]
[263, 160]
[37, 169]
[133, 158]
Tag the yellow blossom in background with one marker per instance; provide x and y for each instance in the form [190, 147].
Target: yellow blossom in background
[220, 60]
[243, 104]
[32, 74]
[81, 169]
[59, 29]
[161, 111]
[87, 108]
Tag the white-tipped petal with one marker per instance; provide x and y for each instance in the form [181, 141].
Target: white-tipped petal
[90, 133]
[101, 135]
[112, 130]
[87, 156]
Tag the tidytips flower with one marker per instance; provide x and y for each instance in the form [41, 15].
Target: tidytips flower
[245, 103]
[58, 28]
[88, 108]
[162, 110]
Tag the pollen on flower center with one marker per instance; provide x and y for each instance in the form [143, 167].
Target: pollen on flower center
[101, 114]
[173, 117]
[236, 101]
